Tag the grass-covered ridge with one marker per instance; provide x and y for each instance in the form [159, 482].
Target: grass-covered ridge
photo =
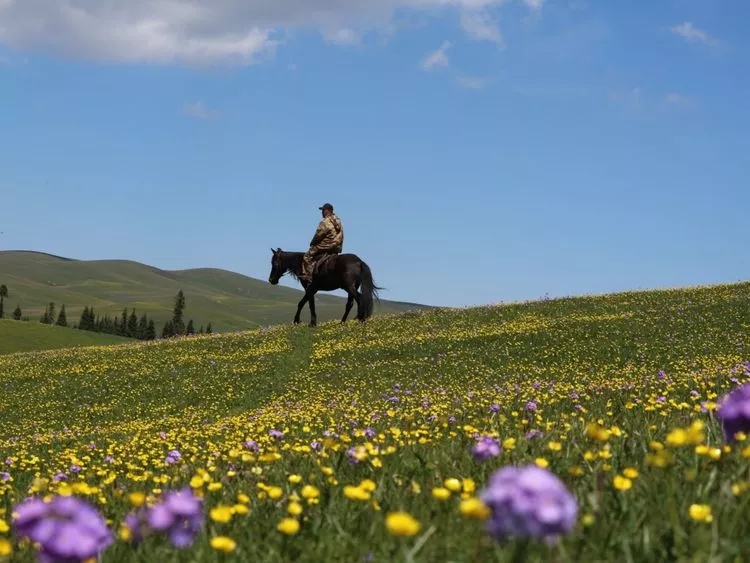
[300, 442]
[228, 300]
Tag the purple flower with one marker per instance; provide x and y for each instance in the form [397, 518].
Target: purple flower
[66, 528]
[486, 448]
[531, 406]
[370, 433]
[734, 411]
[251, 445]
[495, 407]
[275, 434]
[173, 457]
[179, 515]
[533, 434]
[529, 501]
[4, 476]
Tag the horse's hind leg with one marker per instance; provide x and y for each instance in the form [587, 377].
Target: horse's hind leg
[349, 303]
[353, 296]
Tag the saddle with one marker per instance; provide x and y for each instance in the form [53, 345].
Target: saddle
[320, 261]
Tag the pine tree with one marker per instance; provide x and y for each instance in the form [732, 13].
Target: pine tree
[200, 330]
[190, 330]
[132, 331]
[84, 318]
[142, 332]
[208, 329]
[3, 295]
[168, 330]
[62, 318]
[151, 332]
[178, 325]
[17, 313]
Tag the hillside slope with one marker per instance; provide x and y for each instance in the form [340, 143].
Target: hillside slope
[228, 300]
[18, 336]
[369, 442]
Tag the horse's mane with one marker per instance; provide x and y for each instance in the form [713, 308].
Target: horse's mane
[292, 263]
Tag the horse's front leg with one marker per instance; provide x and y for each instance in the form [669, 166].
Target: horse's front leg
[299, 307]
[313, 316]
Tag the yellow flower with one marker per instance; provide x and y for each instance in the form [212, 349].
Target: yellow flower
[622, 483]
[294, 508]
[223, 543]
[402, 524]
[240, 509]
[555, 446]
[356, 493]
[541, 462]
[288, 526]
[214, 486]
[137, 498]
[587, 520]
[310, 492]
[597, 432]
[294, 479]
[453, 484]
[6, 548]
[630, 472]
[4, 528]
[701, 513]
[221, 514]
[474, 508]
[441, 493]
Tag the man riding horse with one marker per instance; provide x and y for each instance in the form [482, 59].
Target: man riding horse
[328, 239]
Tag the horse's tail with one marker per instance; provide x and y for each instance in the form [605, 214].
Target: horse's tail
[369, 290]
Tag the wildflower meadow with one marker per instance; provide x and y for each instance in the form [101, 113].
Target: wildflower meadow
[609, 428]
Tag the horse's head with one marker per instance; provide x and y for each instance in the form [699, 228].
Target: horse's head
[277, 267]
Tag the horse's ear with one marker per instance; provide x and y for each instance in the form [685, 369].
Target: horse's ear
[273, 251]
[278, 250]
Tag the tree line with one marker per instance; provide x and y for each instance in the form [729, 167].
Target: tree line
[128, 324]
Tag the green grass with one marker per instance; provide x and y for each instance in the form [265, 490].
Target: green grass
[17, 336]
[613, 377]
[228, 300]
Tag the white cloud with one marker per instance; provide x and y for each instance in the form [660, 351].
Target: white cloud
[343, 36]
[437, 58]
[199, 110]
[195, 31]
[689, 32]
[481, 26]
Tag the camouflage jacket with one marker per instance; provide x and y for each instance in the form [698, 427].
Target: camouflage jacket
[329, 234]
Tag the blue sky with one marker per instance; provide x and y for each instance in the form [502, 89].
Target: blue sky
[477, 151]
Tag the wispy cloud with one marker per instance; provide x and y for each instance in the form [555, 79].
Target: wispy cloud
[479, 25]
[689, 32]
[342, 36]
[679, 100]
[471, 82]
[437, 58]
[633, 98]
[198, 110]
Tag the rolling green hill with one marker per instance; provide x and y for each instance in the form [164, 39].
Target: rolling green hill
[26, 337]
[228, 300]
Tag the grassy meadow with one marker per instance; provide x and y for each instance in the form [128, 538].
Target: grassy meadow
[377, 441]
[228, 300]
[16, 336]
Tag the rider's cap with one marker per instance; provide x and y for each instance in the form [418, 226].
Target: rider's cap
[326, 206]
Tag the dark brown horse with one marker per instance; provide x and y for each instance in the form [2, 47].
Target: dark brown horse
[339, 271]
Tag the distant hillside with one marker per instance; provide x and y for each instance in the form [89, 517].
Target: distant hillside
[18, 336]
[230, 301]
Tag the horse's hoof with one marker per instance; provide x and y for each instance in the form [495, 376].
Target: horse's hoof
[296, 322]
